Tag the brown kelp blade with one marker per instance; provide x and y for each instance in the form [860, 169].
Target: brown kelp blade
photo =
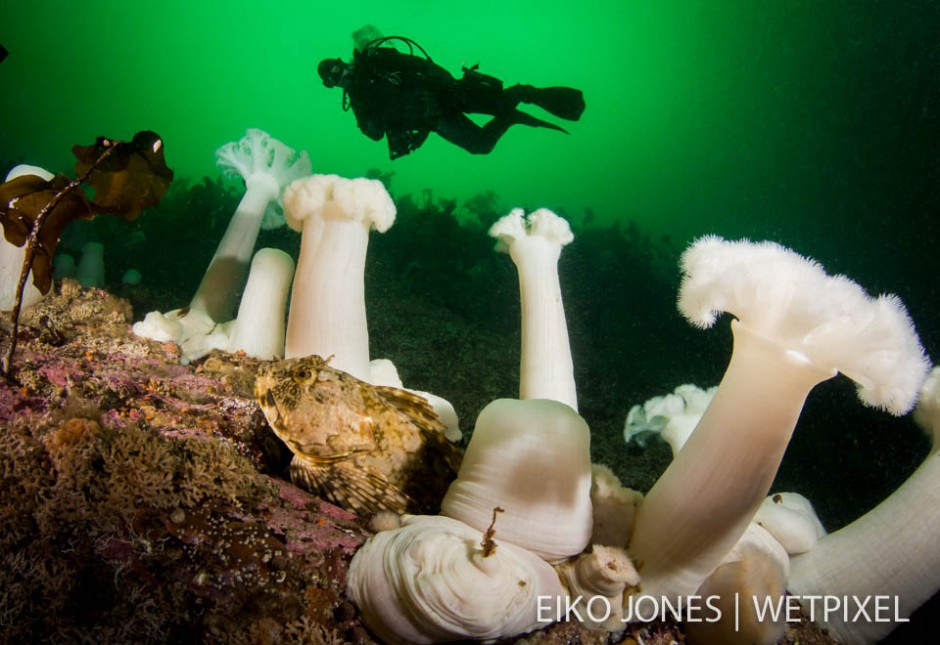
[22, 200]
[133, 177]
[126, 177]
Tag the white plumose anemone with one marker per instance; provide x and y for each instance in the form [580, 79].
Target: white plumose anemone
[328, 307]
[534, 243]
[266, 165]
[796, 326]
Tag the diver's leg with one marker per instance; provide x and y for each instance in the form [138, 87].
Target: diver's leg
[524, 118]
[463, 132]
[519, 94]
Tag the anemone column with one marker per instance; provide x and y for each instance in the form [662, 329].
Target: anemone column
[892, 552]
[534, 244]
[796, 327]
[327, 310]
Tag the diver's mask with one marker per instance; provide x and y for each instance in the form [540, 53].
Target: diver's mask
[332, 71]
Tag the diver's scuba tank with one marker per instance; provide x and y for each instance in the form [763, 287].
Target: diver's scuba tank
[472, 76]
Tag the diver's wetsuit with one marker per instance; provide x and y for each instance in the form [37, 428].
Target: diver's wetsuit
[405, 97]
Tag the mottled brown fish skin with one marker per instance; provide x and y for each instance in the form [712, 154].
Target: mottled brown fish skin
[366, 448]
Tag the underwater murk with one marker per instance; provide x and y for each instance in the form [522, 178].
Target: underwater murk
[165, 477]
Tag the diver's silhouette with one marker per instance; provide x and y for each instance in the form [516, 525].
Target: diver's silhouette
[405, 97]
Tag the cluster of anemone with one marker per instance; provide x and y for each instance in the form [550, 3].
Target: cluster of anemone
[707, 527]
[794, 326]
[266, 165]
[528, 514]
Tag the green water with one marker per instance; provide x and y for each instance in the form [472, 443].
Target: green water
[814, 123]
[740, 117]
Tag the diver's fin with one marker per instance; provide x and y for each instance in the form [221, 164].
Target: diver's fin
[563, 102]
[3, 53]
[522, 118]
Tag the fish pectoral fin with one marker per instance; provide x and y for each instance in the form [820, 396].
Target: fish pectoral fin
[352, 487]
[415, 406]
[309, 476]
[426, 420]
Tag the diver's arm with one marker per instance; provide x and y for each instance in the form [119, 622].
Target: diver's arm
[367, 124]
[404, 142]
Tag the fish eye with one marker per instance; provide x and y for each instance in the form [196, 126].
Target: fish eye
[303, 374]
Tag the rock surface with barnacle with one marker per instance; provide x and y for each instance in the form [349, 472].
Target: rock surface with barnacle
[366, 448]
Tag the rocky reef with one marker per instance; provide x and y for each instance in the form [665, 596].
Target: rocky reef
[145, 501]
[139, 500]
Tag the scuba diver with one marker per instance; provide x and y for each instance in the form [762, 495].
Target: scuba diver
[404, 97]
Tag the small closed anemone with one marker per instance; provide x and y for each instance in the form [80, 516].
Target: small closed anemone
[259, 328]
[533, 459]
[436, 580]
[792, 520]
[90, 270]
[748, 580]
[795, 327]
[753, 576]
[603, 571]
[534, 243]
[893, 551]
[613, 506]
